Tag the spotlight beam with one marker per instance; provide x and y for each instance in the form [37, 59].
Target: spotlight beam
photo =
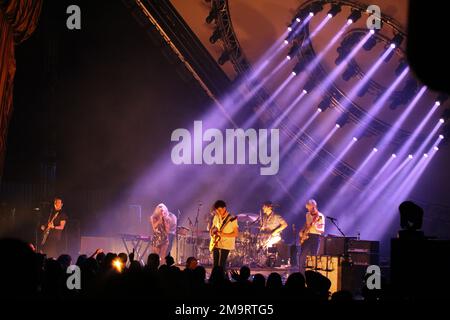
[323, 176]
[265, 105]
[310, 158]
[398, 123]
[299, 133]
[330, 206]
[317, 30]
[377, 107]
[361, 83]
[326, 83]
[410, 181]
[372, 195]
[288, 110]
[405, 148]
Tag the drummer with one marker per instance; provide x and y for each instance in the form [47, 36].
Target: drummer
[271, 222]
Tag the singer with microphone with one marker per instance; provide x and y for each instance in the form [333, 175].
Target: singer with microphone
[310, 234]
[164, 226]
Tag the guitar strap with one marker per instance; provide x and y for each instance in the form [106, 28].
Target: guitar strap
[227, 219]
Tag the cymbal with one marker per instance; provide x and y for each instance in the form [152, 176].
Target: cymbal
[247, 217]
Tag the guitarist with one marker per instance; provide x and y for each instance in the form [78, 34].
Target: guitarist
[223, 232]
[54, 245]
[272, 224]
[310, 233]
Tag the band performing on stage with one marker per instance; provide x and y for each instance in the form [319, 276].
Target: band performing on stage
[256, 239]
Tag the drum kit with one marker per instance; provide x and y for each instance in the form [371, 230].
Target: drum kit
[252, 246]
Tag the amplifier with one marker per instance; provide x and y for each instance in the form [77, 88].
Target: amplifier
[361, 252]
[343, 276]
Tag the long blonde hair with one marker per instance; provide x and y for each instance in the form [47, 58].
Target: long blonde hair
[160, 208]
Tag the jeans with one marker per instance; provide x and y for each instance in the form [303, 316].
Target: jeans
[220, 257]
[309, 248]
[169, 248]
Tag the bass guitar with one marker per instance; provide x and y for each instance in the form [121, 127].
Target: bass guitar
[304, 233]
[46, 231]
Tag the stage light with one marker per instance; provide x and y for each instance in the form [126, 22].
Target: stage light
[224, 57]
[343, 119]
[370, 43]
[397, 40]
[375, 150]
[335, 9]
[354, 16]
[441, 136]
[315, 8]
[302, 14]
[293, 51]
[436, 148]
[289, 29]
[372, 31]
[410, 156]
[394, 155]
[304, 91]
[215, 36]
[286, 42]
[309, 86]
[442, 98]
[390, 54]
[425, 155]
[355, 139]
[325, 103]
[337, 125]
[441, 120]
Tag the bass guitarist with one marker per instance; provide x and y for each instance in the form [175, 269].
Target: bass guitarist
[310, 233]
[224, 230]
[52, 242]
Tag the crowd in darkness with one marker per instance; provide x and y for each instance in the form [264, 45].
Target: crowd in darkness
[119, 276]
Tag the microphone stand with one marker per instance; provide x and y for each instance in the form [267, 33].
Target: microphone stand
[196, 229]
[333, 222]
[346, 256]
[176, 237]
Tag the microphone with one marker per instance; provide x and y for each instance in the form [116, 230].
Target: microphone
[331, 218]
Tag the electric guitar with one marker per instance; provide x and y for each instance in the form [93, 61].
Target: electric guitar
[268, 239]
[46, 231]
[304, 233]
[215, 237]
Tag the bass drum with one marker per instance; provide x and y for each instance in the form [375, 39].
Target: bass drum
[236, 256]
